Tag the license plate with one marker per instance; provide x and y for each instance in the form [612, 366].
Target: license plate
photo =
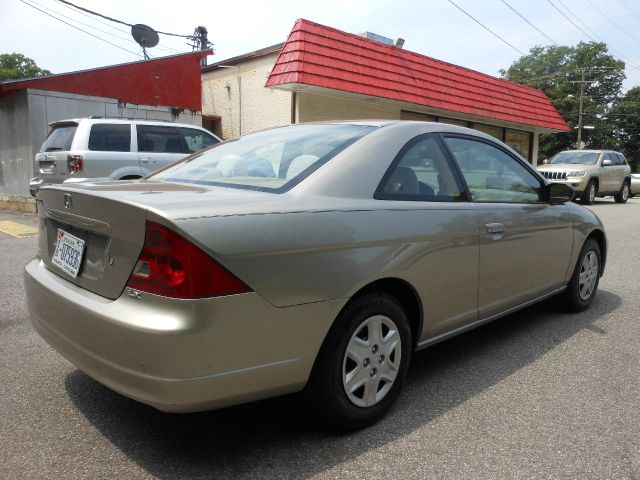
[68, 253]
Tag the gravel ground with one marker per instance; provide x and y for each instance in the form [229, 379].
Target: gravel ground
[538, 394]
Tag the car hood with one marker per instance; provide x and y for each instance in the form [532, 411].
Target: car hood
[564, 166]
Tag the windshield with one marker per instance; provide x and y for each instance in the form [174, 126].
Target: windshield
[60, 138]
[272, 160]
[582, 158]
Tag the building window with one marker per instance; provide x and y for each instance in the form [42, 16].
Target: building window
[495, 132]
[520, 142]
[451, 121]
[416, 116]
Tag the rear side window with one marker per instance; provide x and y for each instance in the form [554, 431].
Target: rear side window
[421, 172]
[159, 139]
[60, 138]
[107, 137]
[197, 139]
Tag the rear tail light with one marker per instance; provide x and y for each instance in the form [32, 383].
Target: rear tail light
[75, 164]
[171, 266]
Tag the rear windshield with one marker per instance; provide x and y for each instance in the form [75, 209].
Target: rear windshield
[60, 138]
[582, 158]
[272, 160]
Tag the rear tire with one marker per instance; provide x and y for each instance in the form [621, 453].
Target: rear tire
[362, 364]
[589, 194]
[585, 279]
[623, 195]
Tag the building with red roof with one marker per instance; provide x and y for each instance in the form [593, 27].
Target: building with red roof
[322, 73]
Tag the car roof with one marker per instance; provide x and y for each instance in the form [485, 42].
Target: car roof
[123, 121]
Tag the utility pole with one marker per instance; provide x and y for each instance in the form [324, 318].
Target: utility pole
[581, 102]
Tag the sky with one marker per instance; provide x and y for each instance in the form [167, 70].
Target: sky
[431, 27]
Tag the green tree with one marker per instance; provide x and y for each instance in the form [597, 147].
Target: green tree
[558, 71]
[625, 113]
[14, 66]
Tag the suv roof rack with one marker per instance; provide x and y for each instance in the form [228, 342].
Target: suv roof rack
[93, 117]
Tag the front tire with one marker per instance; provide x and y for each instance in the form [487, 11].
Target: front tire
[583, 284]
[589, 194]
[362, 364]
[623, 195]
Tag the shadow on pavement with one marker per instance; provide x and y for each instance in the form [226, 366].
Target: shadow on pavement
[277, 438]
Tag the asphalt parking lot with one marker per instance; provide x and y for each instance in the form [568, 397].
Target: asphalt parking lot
[538, 394]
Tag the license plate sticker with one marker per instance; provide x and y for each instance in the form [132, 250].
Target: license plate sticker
[68, 253]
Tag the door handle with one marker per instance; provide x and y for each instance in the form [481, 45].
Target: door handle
[148, 160]
[495, 228]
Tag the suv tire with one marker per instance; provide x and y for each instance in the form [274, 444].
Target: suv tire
[382, 366]
[589, 195]
[623, 195]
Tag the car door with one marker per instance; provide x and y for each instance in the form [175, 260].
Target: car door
[159, 146]
[620, 168]
[525, 243]
[608, 177]
[109, 152]
[436, 226]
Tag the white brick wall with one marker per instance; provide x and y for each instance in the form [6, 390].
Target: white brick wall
[314, 108]
[259, 107]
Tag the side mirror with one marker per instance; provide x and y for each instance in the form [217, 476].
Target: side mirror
[607, 162]
[560, 193]
[545, 161]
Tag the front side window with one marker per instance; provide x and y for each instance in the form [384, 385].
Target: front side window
[197, 139]
[272, 160]
[107, 137]
[160, 139]
[492, 175]
[421, 173]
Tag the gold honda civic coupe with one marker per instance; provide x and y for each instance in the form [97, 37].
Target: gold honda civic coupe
[312, 257]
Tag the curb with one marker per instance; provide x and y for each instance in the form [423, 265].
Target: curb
[15, 203]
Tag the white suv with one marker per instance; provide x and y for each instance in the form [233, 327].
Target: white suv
[95, 148]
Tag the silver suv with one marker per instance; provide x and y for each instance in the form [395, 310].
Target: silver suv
[592, 173]
[94, 148]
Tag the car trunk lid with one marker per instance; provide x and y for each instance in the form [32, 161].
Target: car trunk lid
[113, 235]
[110, 218]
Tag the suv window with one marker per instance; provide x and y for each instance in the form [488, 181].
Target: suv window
[107, 137]
[60, 138]
[619, 159]
[421, 172]
[197, 139]
[492, 175]
[159, 139]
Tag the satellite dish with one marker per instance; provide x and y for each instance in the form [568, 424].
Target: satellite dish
[145, 36]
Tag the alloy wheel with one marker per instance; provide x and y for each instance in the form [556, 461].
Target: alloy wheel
[588, 275]
[371, 361]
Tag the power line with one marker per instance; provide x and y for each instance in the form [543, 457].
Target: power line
[613, 52]
[116, 20]
[78, 28]
[485, 27]
[629, 8]
[571, 21]
[128, 32]
[612, 22]
[525, 19]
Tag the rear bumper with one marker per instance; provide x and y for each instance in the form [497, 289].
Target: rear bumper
[179, 355]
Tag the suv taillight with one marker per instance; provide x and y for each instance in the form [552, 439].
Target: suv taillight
[75, 164]
[171, 266]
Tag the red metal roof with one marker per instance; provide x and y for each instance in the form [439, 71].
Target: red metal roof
[326, 57]
[169, 81]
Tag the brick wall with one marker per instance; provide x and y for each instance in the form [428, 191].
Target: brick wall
[257, 108]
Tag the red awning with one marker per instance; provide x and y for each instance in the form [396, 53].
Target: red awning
[329, 58]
